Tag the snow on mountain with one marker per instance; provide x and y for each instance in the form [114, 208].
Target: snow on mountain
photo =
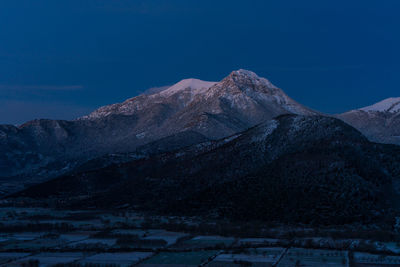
[241, 100]
[255, 78]
[245, 90]
[388, 105]
[185, 90]
[214, 109]
[195, 86]
[310, 157]
[379, 122]
[189, 111]
[155, 90]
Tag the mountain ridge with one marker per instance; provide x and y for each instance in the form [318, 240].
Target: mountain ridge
[40, 149]
[292, 169]
[380, 122]
[195, 148]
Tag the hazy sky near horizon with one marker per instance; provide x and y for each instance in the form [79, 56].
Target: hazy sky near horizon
[61, 59]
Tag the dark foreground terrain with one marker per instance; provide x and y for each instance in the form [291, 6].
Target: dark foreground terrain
[48, 237]
[312, 170]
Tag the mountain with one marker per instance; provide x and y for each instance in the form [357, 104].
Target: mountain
[215, 110]
[379, 122]
[41, 149]
[155, 90]
[292, 169]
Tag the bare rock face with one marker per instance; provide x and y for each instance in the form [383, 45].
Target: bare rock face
[379, 122]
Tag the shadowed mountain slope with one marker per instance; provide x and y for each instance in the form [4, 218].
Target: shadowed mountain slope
[308, 169]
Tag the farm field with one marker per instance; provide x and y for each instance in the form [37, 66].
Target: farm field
[373, 260]
[179, 258]
[124, 259]
[314, 258]
[46, 237]
[201, 242]
[252, 257]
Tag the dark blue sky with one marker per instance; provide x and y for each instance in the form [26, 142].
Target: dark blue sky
[63, 58]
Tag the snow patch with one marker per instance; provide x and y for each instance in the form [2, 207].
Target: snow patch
[255, 78]
[196, 86]
[141, 135]
[388, 105]
[265, 130]
[231, 138]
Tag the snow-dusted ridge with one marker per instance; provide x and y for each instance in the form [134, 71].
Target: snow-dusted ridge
[242, 90]
[134, 104]
[254, 77]
[379, 122]
[196, 86]
[388, 105]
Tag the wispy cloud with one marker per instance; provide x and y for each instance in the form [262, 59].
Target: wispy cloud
[41, 87]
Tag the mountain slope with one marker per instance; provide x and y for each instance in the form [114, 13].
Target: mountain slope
[391, 105]
[45, 148]
[215, 110]
[308, 169]
[379, 122]
[238, 102]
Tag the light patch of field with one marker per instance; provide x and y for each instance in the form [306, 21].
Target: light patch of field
[120, 259]
[27, 236]
[82, 225]
[76, 236]
[169, 237]
[254, 257]
[314, 258]
[392, 246]
[366, 259]
[138, 232]
[107, 242]
[34, 245]
[257, 241]
[127, 219]
[207, 242]
[179, 258]
[154, 231]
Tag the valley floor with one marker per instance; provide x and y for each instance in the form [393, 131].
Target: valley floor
[48, 237]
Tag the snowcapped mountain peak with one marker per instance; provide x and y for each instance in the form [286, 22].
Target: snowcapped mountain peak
[247, 73]
[242, 91]
[243, 76]
[388, 105]
[195, 85]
